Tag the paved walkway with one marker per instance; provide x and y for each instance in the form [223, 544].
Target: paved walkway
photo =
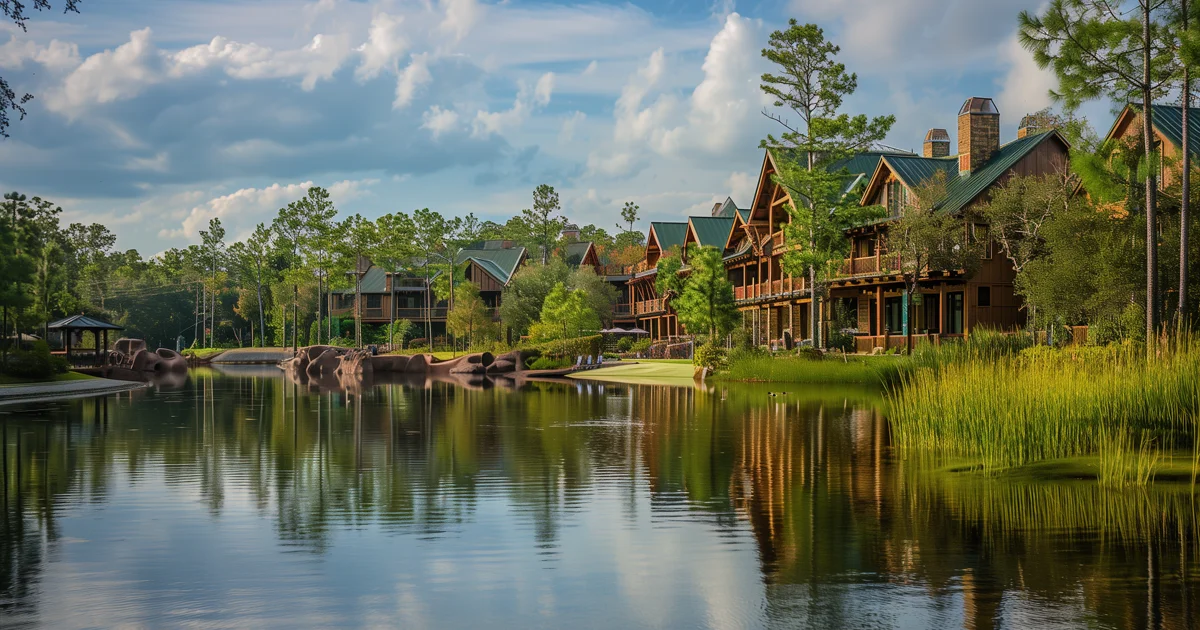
[34, 392]
[251, 356]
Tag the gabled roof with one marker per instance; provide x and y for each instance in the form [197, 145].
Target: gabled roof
[575, 253]
[82, 322]
[1168, 120]
[961, 190]
[711, 231]
[744, 214]
[668, 234]
[500, 263]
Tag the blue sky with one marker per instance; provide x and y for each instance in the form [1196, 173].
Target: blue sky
[152, 117]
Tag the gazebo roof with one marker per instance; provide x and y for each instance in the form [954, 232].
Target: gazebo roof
[82, 322]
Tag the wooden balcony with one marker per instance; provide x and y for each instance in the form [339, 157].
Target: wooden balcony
[646, 307]
[784, 286]
[622, 309]
[869, 265]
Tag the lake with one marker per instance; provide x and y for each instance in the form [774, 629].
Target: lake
[240, 499]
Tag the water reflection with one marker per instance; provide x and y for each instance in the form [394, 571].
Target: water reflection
[244, 498]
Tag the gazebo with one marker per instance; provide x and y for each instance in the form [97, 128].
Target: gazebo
[81, 324]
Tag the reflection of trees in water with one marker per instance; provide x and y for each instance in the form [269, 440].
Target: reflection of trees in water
[827, 507]
[810, 478]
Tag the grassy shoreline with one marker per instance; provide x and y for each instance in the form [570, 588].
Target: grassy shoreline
[830, 370]
[57, 378]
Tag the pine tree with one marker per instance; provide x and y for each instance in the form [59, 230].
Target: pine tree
[706, 302]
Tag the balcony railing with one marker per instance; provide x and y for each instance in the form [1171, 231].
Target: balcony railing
[766, 289]
[611, 270]
[622, 309]
[869, 265]
[648, 306]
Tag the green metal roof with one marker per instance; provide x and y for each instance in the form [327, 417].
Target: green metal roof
[1168, 120]
[745, 214]
[574, 252]
[961, 190]
[670, 234]
[865, 162]
[727, 209]
[712, 231]
[501, 263]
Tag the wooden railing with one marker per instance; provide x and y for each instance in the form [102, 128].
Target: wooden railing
[868, 265]
[622, 309]
[414, 314]
[648, 306]
[612, 270]
[764, 289]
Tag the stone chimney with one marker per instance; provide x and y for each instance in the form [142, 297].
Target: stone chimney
[978, 133]
[1028, 126]
[937, 144]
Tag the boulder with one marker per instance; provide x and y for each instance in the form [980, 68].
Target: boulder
[170, 361]
[466, 367]
[501, 366]
[417, 364]
[390, 363]
[145, 361]
[325, 364]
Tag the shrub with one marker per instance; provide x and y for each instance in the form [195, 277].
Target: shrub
[570, 348]
[641, 345]
[548, 363]
[35, 363]
[625, 344]
[741, 338]
[709, 355]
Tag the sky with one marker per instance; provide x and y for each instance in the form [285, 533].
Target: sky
[152, 117]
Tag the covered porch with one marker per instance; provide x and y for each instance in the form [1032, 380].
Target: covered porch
[71, 330]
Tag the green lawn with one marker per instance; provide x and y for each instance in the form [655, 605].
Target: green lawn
[677, 361]
[69, 376]
[666, 372]
[203, 353]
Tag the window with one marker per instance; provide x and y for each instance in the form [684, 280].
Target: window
[954, 314]
[374, 300]
[897, 197]
[984, 297]
[893, 315]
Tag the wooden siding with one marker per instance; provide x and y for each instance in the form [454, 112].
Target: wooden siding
[482, 279]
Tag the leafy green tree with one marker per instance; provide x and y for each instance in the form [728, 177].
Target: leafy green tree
[470, 318]
[923, 238]
[629, 213]
[521, 302]
[540, 220]
[706, 303]
[565, 315]
[18, 271]
[812, 85]
[601, 296]
[432, 233]
[1098, 49]
[395, 250]
[1017, 213]
[667, 282]
[214, 249]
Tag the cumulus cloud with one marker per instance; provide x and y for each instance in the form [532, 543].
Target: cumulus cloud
[741, 185]
[1026, 87]
[460, 17]
[527, 101]
[567, 132]
[715, 115]
[243, 207]
[57, 56]
[385, 43]
[439, 121]
[414, 76]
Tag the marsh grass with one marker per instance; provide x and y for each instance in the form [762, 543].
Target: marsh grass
[1007, 410]
[833, 369]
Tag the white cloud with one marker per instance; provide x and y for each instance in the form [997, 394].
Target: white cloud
[241, 208]
[316, 61]
[110, 75]
[527, 101]
[590, 69]
[415, 75]
[544, 88]
[160, 163]
[384, 45]
[741, 185]
[439, 121]
[57, 56]
[348, 189]
[460, 17]
[1026, 87]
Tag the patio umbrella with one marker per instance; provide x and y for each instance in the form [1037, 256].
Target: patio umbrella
[637, 331]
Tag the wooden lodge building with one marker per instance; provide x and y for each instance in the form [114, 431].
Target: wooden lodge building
[868, 285]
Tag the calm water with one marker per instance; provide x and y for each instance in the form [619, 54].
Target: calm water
[244, 500]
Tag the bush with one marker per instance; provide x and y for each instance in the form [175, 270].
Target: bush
[570, 348]
[742, 339]
[709, 355]
[36, 363]
[641, 345]
[548, 363]
[625, 344]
